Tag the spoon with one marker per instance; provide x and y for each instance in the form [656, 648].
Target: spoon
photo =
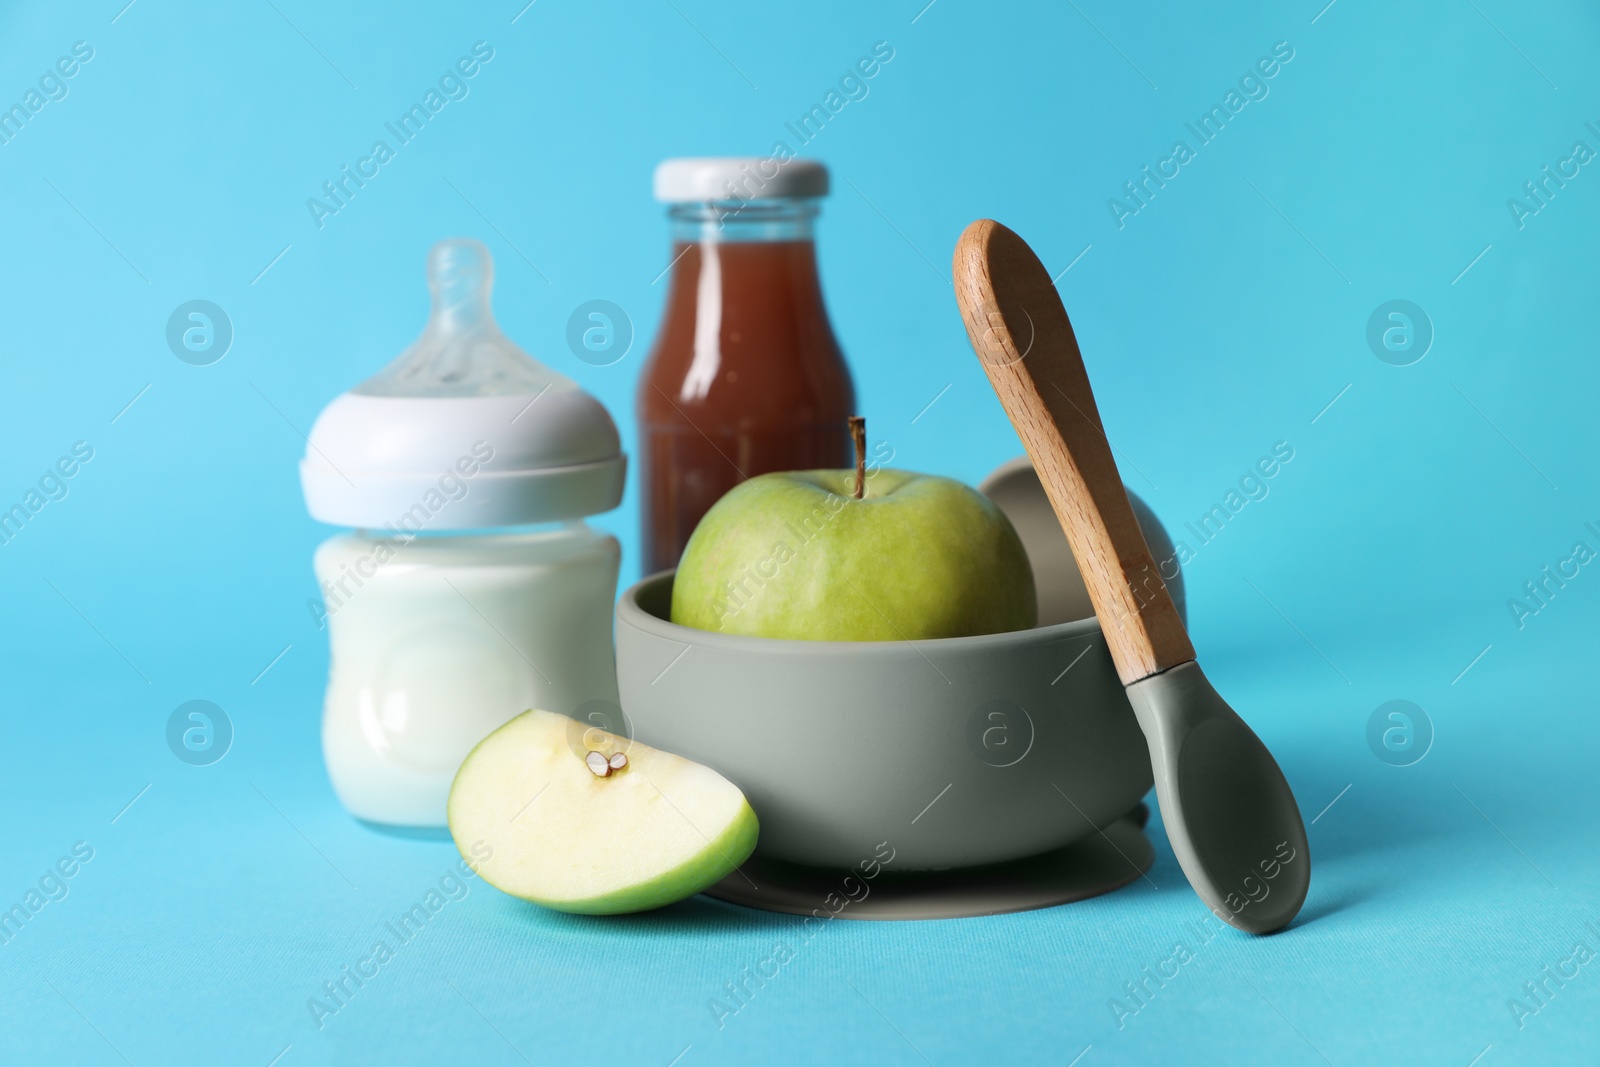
[1229, 813]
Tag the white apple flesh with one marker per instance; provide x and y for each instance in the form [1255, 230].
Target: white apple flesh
[654, 830]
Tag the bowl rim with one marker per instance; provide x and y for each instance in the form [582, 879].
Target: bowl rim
[630, 612]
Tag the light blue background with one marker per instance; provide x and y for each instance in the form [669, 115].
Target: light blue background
[1224, 317]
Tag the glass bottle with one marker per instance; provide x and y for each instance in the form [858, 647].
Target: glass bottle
[745, 376]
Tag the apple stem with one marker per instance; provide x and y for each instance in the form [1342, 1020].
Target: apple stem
[858, 434]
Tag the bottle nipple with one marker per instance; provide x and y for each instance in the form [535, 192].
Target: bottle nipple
[461, 351]
[460, 274]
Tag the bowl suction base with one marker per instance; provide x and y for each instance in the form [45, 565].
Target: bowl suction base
[1098, 864]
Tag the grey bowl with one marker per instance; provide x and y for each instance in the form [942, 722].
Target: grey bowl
[950, 752]
[1016, 490]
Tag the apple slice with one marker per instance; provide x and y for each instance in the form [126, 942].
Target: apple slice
[598, 835]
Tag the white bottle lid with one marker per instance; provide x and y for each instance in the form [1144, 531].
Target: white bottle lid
[738, 178]
[464, 430]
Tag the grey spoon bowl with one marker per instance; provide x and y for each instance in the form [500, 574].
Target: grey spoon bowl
[950, 753]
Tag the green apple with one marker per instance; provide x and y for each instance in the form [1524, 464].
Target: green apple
[605, 827]
[797, 555]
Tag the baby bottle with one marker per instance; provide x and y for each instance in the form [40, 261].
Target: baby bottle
[470, 588]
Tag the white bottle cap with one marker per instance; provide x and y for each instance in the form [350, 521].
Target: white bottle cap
[738, 178]
[464, 430]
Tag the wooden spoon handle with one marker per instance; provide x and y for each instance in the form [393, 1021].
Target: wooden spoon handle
[1023, 336]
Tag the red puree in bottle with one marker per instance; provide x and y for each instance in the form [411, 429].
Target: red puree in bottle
[745, 376]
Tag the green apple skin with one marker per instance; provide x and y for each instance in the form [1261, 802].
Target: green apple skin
[659, 830]
[795, 555]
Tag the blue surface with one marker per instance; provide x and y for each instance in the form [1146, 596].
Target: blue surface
[1226, 315]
